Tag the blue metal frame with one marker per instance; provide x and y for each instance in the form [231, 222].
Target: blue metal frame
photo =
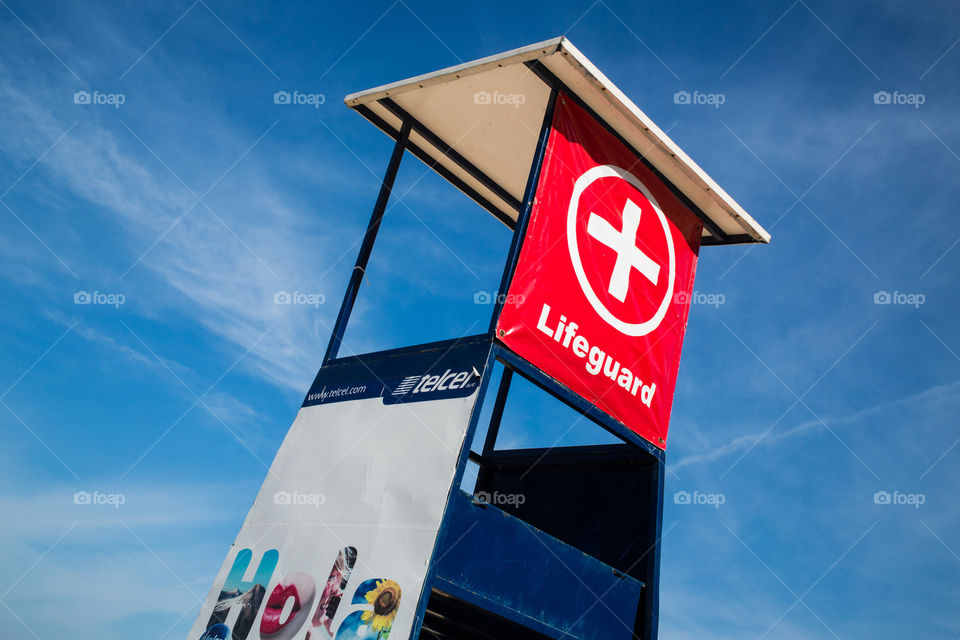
[369, 237]
[533, 578]
[454, 489]
[448, 175]
[574, 400]
[403, 144]
[647, 614]
[516, 242]
[489, 442]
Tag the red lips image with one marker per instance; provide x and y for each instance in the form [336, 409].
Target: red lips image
[300, 589]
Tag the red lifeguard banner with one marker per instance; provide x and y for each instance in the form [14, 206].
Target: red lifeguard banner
[601, 292]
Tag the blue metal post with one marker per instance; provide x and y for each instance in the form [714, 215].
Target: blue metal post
[353, 288]
[518, 231]
[494, 427]
[651, 573]
[523, 216]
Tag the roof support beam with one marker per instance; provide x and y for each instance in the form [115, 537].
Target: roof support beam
[434, 164]
[451, 153]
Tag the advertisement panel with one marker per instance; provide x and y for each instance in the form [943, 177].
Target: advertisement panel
[339, 538]
[600, 295]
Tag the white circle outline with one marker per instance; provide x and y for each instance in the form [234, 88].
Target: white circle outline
[584, 181]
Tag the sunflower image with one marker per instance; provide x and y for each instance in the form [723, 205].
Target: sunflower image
[385, 600]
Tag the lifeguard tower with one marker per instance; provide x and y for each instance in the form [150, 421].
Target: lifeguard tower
[361, 529]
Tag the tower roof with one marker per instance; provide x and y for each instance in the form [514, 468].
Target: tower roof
[477, 125]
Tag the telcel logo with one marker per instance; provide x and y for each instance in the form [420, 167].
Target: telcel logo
[447, 381]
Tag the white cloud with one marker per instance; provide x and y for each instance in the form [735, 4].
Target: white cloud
[218, 267]
[108, 566]
[913, 403]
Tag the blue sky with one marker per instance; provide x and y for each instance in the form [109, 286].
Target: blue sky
[198, 199]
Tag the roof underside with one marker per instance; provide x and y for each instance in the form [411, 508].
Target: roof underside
[477, 125]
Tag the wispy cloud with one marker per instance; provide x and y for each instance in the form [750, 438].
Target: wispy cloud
[57, 570]
[219, 261]
[949, 392]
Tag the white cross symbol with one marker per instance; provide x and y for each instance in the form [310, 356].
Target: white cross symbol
[624, 242]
